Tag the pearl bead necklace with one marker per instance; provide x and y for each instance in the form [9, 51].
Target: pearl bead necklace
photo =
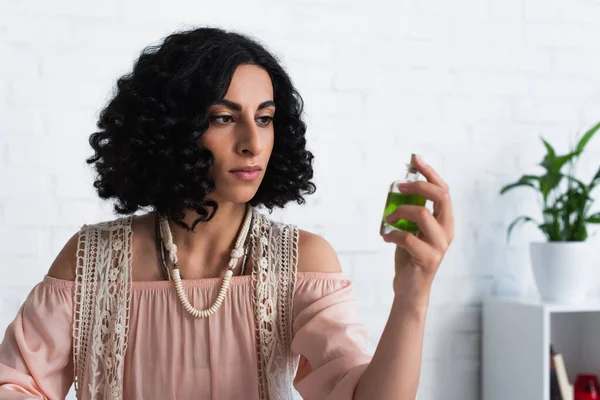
[236, 253]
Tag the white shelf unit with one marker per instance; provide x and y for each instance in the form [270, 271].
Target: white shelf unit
[517, 334]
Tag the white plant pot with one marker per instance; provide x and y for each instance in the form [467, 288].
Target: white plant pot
[563, 271]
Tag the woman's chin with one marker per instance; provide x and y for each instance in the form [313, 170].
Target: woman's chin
[238, 196]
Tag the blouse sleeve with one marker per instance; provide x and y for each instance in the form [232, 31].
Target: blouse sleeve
[329, 337]
[36, 354]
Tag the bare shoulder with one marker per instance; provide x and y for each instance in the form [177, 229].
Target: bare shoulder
[315, 254]
[65, 263]
[144, 266]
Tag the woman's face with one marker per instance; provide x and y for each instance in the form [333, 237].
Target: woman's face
[240, 135]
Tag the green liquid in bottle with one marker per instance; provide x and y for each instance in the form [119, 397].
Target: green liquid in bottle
[395, 199]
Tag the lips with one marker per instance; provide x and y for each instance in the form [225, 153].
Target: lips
[249, 168]
[247, 173]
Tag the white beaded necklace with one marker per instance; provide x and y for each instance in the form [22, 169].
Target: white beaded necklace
[236, 253]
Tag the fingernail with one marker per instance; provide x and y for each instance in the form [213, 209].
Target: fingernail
[403, 186]
[421, 160]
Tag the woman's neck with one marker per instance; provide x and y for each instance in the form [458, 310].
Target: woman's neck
[206, 251]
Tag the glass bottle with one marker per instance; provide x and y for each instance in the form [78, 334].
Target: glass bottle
[395, 198]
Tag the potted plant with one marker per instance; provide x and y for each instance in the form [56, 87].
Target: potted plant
[564, 265]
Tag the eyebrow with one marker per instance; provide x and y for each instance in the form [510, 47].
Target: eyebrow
[238, 107]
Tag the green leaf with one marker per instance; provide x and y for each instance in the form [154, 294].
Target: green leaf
[580, 184]
[552, 231]
[593, 219]
[550, 158]
[525, 180]
[579, 234]
[581, 191]
[547, 183]
[555, 164]
[586, 138]
[595, 180]
[522, 218]
[551, 226]
[549, 148]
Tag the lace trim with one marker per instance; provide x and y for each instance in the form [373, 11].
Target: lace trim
[82, 314]
[275, 258]
[102, 302]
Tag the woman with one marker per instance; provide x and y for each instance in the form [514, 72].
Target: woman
[202, 296]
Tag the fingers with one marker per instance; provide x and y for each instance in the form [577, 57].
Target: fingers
[429, 173]
[431, 229]
[420, 251]
[426, 189]
[442, 203]
[436, 190]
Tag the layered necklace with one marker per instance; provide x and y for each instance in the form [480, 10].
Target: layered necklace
[165, 243]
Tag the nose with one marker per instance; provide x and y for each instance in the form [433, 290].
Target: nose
[249, 140]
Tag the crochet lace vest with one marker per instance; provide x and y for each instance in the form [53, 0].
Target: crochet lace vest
[102, 299]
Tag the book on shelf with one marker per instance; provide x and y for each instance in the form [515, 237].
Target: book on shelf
[565, 387]
[554, 386]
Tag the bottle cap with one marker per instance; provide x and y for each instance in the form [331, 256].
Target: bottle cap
[412, 168]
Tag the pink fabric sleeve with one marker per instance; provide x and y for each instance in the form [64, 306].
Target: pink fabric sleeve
[36, 354]
[329, 337]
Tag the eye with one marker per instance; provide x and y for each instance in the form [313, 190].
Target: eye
[222, 119]
[265, 120]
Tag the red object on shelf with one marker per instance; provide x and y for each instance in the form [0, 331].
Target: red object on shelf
[586, 387]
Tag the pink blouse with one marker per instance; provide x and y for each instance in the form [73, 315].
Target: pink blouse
[172, 355]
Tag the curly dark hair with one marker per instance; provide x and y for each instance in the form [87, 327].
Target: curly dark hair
[147, 149]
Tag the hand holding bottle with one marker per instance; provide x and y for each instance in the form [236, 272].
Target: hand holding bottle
[422, 246]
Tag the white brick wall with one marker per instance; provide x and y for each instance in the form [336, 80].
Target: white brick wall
[470, 84]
